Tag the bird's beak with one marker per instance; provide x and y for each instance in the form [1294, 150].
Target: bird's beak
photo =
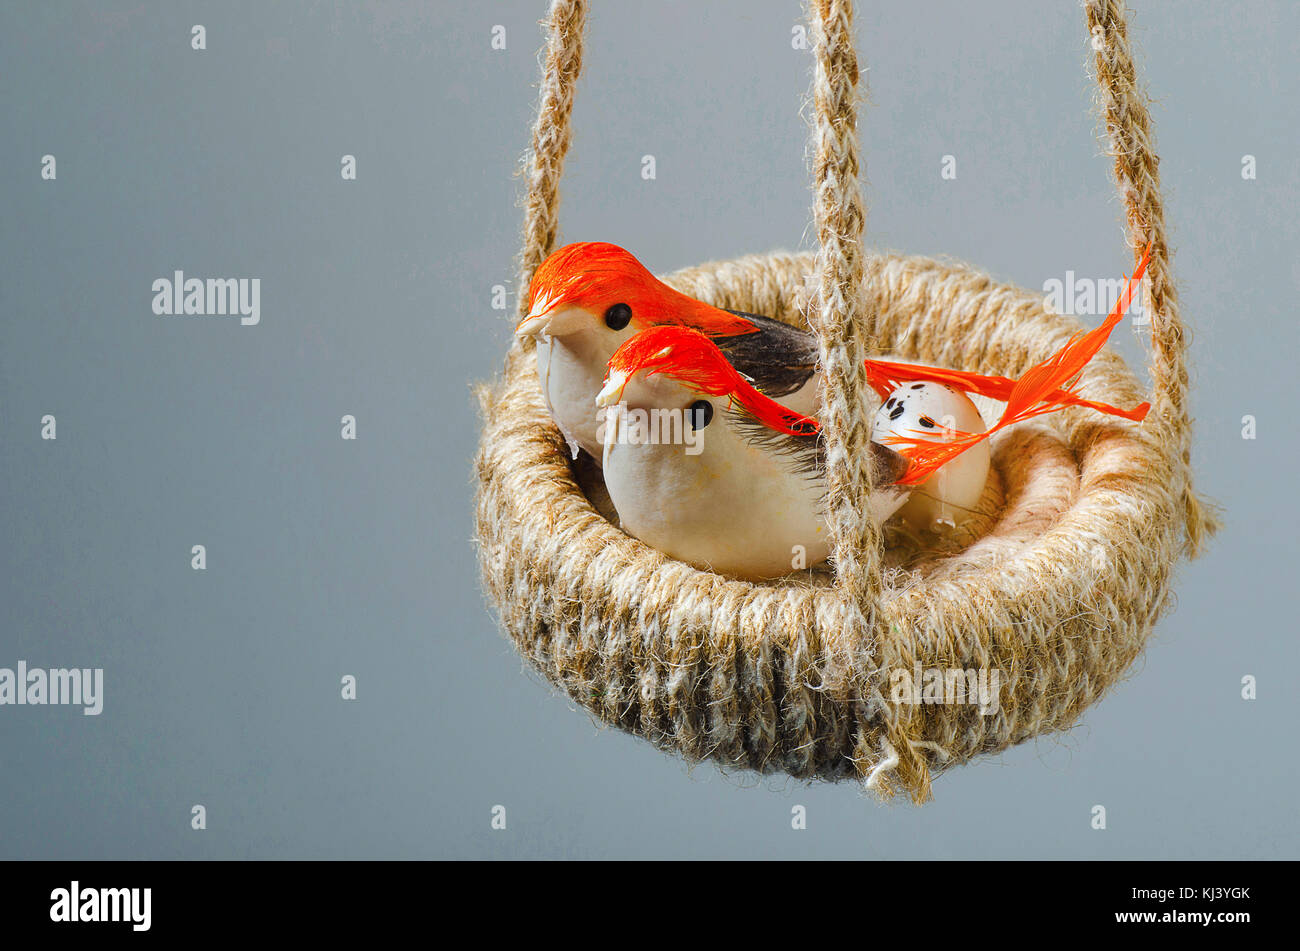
[534, 325]
[539, 318]
[612, 391]
[547, 319]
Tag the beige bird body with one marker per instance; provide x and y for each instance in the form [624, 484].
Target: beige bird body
[570, 368]
[733, 496]
[732, 508]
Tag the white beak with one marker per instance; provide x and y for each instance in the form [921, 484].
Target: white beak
[547, 319]
[612, 391]
[534, 325]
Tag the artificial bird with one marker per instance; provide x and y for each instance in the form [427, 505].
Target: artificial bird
[701, 465]
[588, 298]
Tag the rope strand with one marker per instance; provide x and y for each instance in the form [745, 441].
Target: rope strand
[552, 134]
[845, 329]
[838, 318]
[1137, 172]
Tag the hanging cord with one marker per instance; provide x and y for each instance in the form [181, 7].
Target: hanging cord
[1137, 172]
[838, 316]
[551, 136]
[845, 329]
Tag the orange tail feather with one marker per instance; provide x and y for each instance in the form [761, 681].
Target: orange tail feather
[1044, 388]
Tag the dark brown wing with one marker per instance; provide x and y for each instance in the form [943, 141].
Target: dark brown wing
[778, 359]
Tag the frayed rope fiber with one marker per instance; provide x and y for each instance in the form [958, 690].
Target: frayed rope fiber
[1059, 595]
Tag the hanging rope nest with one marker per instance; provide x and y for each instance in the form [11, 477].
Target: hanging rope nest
[1058, 592]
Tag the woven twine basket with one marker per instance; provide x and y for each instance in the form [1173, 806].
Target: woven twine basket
[1058, 592]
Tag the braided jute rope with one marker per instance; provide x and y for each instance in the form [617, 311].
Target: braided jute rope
[551, 137]
[1137, 170]
[1058, 596]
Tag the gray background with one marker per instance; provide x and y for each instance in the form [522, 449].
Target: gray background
[328, 557]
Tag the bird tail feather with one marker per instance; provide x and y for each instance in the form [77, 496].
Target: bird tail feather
[1044, 388]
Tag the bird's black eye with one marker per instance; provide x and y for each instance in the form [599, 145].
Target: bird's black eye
[618, 316]
[699, 414]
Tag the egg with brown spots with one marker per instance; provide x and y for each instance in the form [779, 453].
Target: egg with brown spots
[934, 411]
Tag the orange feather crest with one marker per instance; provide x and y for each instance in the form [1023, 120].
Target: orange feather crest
[595, 275]
[692, 359]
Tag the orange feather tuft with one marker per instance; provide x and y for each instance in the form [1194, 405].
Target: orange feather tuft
[595, 275]
[695, 361]
[1044, 388]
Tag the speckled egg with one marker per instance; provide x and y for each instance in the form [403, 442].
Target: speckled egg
[928, 410]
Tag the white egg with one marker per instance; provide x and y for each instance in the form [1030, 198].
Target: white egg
[928, 410]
